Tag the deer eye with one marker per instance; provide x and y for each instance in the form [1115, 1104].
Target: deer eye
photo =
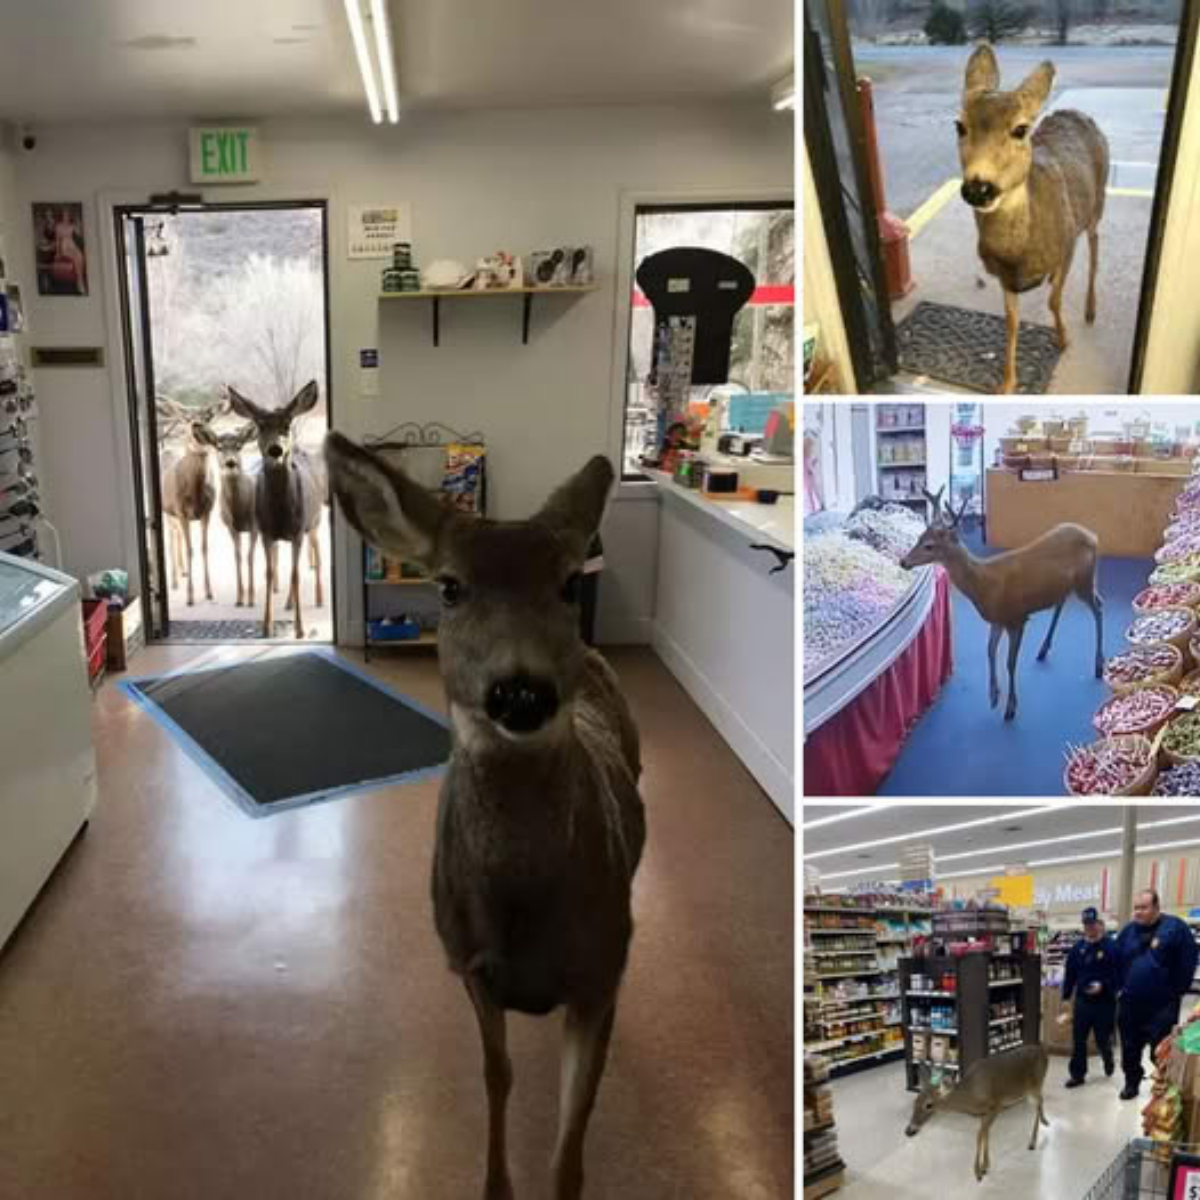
[960, 129]
[450, 589]
[573, 588]
[1020, 131]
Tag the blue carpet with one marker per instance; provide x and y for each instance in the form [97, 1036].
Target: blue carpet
[961, 747]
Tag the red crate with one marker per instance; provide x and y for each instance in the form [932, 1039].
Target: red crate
[98, 659]
[95, 623]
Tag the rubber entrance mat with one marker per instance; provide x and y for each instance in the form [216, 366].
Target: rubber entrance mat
[293, 729]
[966, 348]
[225, 631]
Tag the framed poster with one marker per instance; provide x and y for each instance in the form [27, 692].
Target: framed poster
[376, 228]
[1185, 1177]
[60, 249]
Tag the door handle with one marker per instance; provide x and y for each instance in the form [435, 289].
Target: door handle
[784, 557]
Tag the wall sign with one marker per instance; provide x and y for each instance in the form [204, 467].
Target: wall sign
[224, 154]
[376, 228]
[1066, 893]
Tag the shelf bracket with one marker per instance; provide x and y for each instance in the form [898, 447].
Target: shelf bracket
[528, 298]
[437, 320]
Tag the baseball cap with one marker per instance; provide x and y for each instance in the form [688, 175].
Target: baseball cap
[1090, 916]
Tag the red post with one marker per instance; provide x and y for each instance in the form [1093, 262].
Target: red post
[893, 233]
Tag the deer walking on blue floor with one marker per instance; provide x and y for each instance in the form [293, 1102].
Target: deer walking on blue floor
[1008, 588]
[540, 826]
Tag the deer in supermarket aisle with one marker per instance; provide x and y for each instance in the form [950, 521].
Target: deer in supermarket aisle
[237, 501]
[540, 825]
[989, 1086]
[1008, 588]
[189, 492]
[287, 499]
[1034, 191]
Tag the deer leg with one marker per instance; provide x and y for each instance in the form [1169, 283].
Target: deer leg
[1058, 281]
[1041, 654]
[272, 560]
[208, 592]
[297, 553]
[1093, 263]
[497, 1074]
[275, 571]
[1096, 604]
[1015, 633]
[173, 552]
[237, 558]
[1037, 1120]
[250, 565]
[1012, 323]
[586, 1034]
[984, 1165]
[187, 546]
[314, 546]
[993, 686]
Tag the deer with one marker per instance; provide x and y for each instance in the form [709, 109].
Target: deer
[1008, 587]
[540, 825]
[237, 501]
[287, 499]
[1034, 190]
[189, 494]
[989, 1086]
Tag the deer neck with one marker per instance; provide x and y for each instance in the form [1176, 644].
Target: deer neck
[1005, 232]
[968, 574]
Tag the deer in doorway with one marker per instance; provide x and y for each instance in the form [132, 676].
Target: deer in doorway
[189, 494]
[1008, 588]
[1034, 191]
[540, 825]
[237, 501]
[287, 502]
[989, 1086]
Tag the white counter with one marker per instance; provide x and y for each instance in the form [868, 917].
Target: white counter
[724, 624]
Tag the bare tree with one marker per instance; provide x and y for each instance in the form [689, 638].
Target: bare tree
[1064, 12]
[995, 20]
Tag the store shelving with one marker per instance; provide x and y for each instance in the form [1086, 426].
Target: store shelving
[900, 453]
[824, 1170]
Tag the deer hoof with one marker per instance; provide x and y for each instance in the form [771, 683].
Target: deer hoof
[994, 698]
[498, 1189]
[1010, 712]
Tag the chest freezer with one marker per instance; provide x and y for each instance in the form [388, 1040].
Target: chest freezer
[47, 764]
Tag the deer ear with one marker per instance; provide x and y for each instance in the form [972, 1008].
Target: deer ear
[1035, 88]
[202, 433]
[983, 72]
[303, 400]
[385, 506]
[576, 507]
[244, 406]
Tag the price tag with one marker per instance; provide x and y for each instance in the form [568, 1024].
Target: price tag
[1185, 1178]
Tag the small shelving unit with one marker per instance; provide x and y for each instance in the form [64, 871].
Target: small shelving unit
[435, 297]
[899, 431]
[824, 1171]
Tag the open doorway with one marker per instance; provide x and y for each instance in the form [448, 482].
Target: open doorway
[886, 163]
[220, 297]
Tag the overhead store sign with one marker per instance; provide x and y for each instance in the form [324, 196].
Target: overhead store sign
[1067, 893]
[225, 154]
[1015, 890]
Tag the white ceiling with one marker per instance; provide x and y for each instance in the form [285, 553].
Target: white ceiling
[106, 60]
[836, 847]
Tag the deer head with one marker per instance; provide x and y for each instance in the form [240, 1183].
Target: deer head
[511, 653]
[995, 128]
[273, 426]
[940, 540]
[927, 1100]
[228, 446]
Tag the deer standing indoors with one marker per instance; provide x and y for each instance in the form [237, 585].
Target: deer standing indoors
[989, 1086]
[189, 493]
[237, 502]
[1034, 191]
[540, 825]
[1007, 588]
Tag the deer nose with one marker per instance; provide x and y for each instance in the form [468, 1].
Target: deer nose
[522, 704]
[979, 192]
[275, 451]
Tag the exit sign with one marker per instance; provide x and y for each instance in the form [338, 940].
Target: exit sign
[224, 154]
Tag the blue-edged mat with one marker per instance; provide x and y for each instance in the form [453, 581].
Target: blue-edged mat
[288, 730]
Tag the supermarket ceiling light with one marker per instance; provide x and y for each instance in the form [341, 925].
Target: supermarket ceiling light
[783, 94]
[384, 58]
[387, 63]
[846, 816]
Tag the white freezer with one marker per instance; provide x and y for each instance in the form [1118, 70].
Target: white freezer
[47, 764]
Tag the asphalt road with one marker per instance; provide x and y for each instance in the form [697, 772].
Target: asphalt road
[917, 90]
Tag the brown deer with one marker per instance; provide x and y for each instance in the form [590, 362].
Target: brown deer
[1008, 587]
[237, 501]
[1034, 191]
[540, 826]
[989, 1086]
[189, 494]
[287, 502]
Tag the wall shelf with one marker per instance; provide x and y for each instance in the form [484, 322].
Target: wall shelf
[436, 296]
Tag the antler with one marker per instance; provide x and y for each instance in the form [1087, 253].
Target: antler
[956, 517]
[935, 502]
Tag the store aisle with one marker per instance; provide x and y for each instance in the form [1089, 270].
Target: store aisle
[204, 1005]
[961, 746]
[1087, 1129]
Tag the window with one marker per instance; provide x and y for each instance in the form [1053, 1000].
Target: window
[762, 236]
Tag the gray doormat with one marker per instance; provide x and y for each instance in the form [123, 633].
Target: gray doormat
[966, 348]
[225, 631]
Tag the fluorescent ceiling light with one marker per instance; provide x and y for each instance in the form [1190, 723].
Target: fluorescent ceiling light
[359, 36]
[783, 94]
[387, 65]
[846, 816]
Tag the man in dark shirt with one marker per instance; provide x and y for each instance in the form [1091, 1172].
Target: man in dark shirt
[1156, 960]
[1091, 977]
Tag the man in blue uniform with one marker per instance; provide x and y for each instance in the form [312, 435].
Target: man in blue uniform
[1091, 977]
[1156, 959]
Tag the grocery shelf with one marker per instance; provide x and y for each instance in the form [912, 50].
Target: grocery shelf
[842, 932]
[838, 953]
[845, 1062]
[845, 975]
[933, 995]
[1006, 1020]
[930, 1029]
[999, 983]
[831, 908]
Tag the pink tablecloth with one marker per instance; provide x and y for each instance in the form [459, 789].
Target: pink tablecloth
[851, 753]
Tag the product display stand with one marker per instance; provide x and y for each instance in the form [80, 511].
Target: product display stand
[900, 453]
[824, 1170]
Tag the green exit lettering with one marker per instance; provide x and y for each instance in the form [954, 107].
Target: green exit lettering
[225, 153]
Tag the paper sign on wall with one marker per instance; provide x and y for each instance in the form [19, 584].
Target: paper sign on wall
[368, 372]
[376, 228]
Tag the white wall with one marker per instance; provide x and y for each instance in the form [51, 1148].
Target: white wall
[477, 182]
[821, 303]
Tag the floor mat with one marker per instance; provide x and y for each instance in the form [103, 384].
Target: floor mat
[292, 729]
[966, 348]
[225, 631]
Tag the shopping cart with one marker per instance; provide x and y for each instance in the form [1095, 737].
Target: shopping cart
[1142, 1171]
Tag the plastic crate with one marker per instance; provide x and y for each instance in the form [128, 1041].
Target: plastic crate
[1142, 1171]
[95, 623]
